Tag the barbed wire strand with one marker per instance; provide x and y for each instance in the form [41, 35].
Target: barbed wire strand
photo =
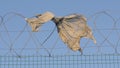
[11, 43]
[37, 42]
[18, 14]
[106, 37]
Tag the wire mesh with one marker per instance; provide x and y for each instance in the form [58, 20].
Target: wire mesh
[73, 61]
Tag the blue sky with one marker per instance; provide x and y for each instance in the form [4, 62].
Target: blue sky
[29, 8]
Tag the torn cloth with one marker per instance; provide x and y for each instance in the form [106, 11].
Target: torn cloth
[72, 28]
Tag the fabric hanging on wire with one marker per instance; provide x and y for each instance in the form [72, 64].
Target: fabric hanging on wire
[72, 28]
[39, 19]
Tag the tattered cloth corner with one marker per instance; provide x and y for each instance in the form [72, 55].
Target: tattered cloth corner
[39, 19]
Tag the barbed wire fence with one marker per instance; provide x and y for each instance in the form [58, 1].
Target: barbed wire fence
[21, 48]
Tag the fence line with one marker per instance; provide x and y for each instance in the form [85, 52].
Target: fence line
[73, 61]
[107, 34]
